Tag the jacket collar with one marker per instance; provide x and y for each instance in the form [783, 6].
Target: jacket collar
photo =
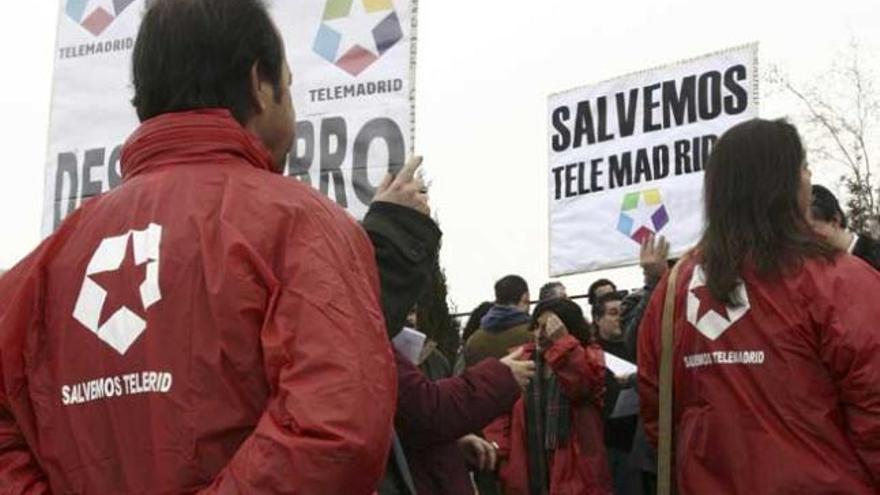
[500, 318]
[193, 137]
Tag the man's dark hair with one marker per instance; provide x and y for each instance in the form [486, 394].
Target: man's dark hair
[569, 312]
[550, 290]
[751, 189]
[591, 292]
[510, 289]
[193, 54]
[473, 323]
[598, 309]
[825, 206]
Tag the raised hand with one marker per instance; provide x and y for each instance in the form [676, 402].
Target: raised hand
[406, 189]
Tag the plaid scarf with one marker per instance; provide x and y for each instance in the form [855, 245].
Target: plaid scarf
[547, 424]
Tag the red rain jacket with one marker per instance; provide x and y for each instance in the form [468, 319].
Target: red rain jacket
[580, 466]
[208, 325]
[778, 396]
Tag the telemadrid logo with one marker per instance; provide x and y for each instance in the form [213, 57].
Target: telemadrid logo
[647, 205]
[121, 283]
[95, 15]
[356, 33]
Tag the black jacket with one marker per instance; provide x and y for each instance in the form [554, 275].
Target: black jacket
[869, 250]
[406, 243]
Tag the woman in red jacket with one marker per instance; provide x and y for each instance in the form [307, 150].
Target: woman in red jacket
[776, 354]
[554, 445]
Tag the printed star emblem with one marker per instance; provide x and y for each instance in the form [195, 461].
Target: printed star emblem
[642, 216]
[711, 317]
[123, 285]
[106, 5]
[99, 15]
[709, 303]
[357, 28]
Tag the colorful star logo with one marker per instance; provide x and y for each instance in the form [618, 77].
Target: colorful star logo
[642, 214]
[95, 15]
[356, 33]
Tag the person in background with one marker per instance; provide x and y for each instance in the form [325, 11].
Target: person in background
[471, 326]
[435, 419]
[473, 322]
[619, 428]
[506, 324]
[829, 221]
[776, 353]
[485, 479]
[599, 288]
[405, 240]
[431, 361]
[554, 443]
[552, 290]
[654, 261]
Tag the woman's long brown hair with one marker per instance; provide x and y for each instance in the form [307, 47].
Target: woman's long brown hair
[753, 215]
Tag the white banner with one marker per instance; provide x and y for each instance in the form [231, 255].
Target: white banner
[627, 155]
[353, 83]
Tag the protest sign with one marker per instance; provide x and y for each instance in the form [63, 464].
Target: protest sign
[626, 156]
[352, 62]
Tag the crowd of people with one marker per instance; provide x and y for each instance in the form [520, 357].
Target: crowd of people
[210, 326]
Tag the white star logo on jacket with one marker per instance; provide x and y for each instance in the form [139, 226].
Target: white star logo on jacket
[121, 282]
[709, 316]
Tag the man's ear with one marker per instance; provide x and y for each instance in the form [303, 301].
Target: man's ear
[257, 89]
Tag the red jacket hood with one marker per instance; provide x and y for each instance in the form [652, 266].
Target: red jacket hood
[189, 138]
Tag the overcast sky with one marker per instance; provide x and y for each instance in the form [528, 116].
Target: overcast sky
[485, 71]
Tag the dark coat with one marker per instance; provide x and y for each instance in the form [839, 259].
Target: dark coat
[432, 416]
[497, 344]
[868, 249]
[406, 243]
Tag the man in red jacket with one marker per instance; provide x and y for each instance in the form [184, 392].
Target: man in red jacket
[776, 360]
[209, 325]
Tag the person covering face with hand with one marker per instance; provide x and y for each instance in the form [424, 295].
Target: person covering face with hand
[554, 442]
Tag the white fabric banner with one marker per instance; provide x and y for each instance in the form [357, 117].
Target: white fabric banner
[626, 156]
[353, 83]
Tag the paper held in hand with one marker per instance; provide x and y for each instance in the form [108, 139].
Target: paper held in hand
[620, 367]
[409, 343]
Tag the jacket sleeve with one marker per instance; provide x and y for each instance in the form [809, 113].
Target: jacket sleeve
[632, 318]
[435, 413]
[406, 243]
[849, 344]
[20, 472]
[327, 426]
[649, 361]
[580, 370]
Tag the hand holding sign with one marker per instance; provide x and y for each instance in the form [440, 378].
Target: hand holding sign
[406, 189]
